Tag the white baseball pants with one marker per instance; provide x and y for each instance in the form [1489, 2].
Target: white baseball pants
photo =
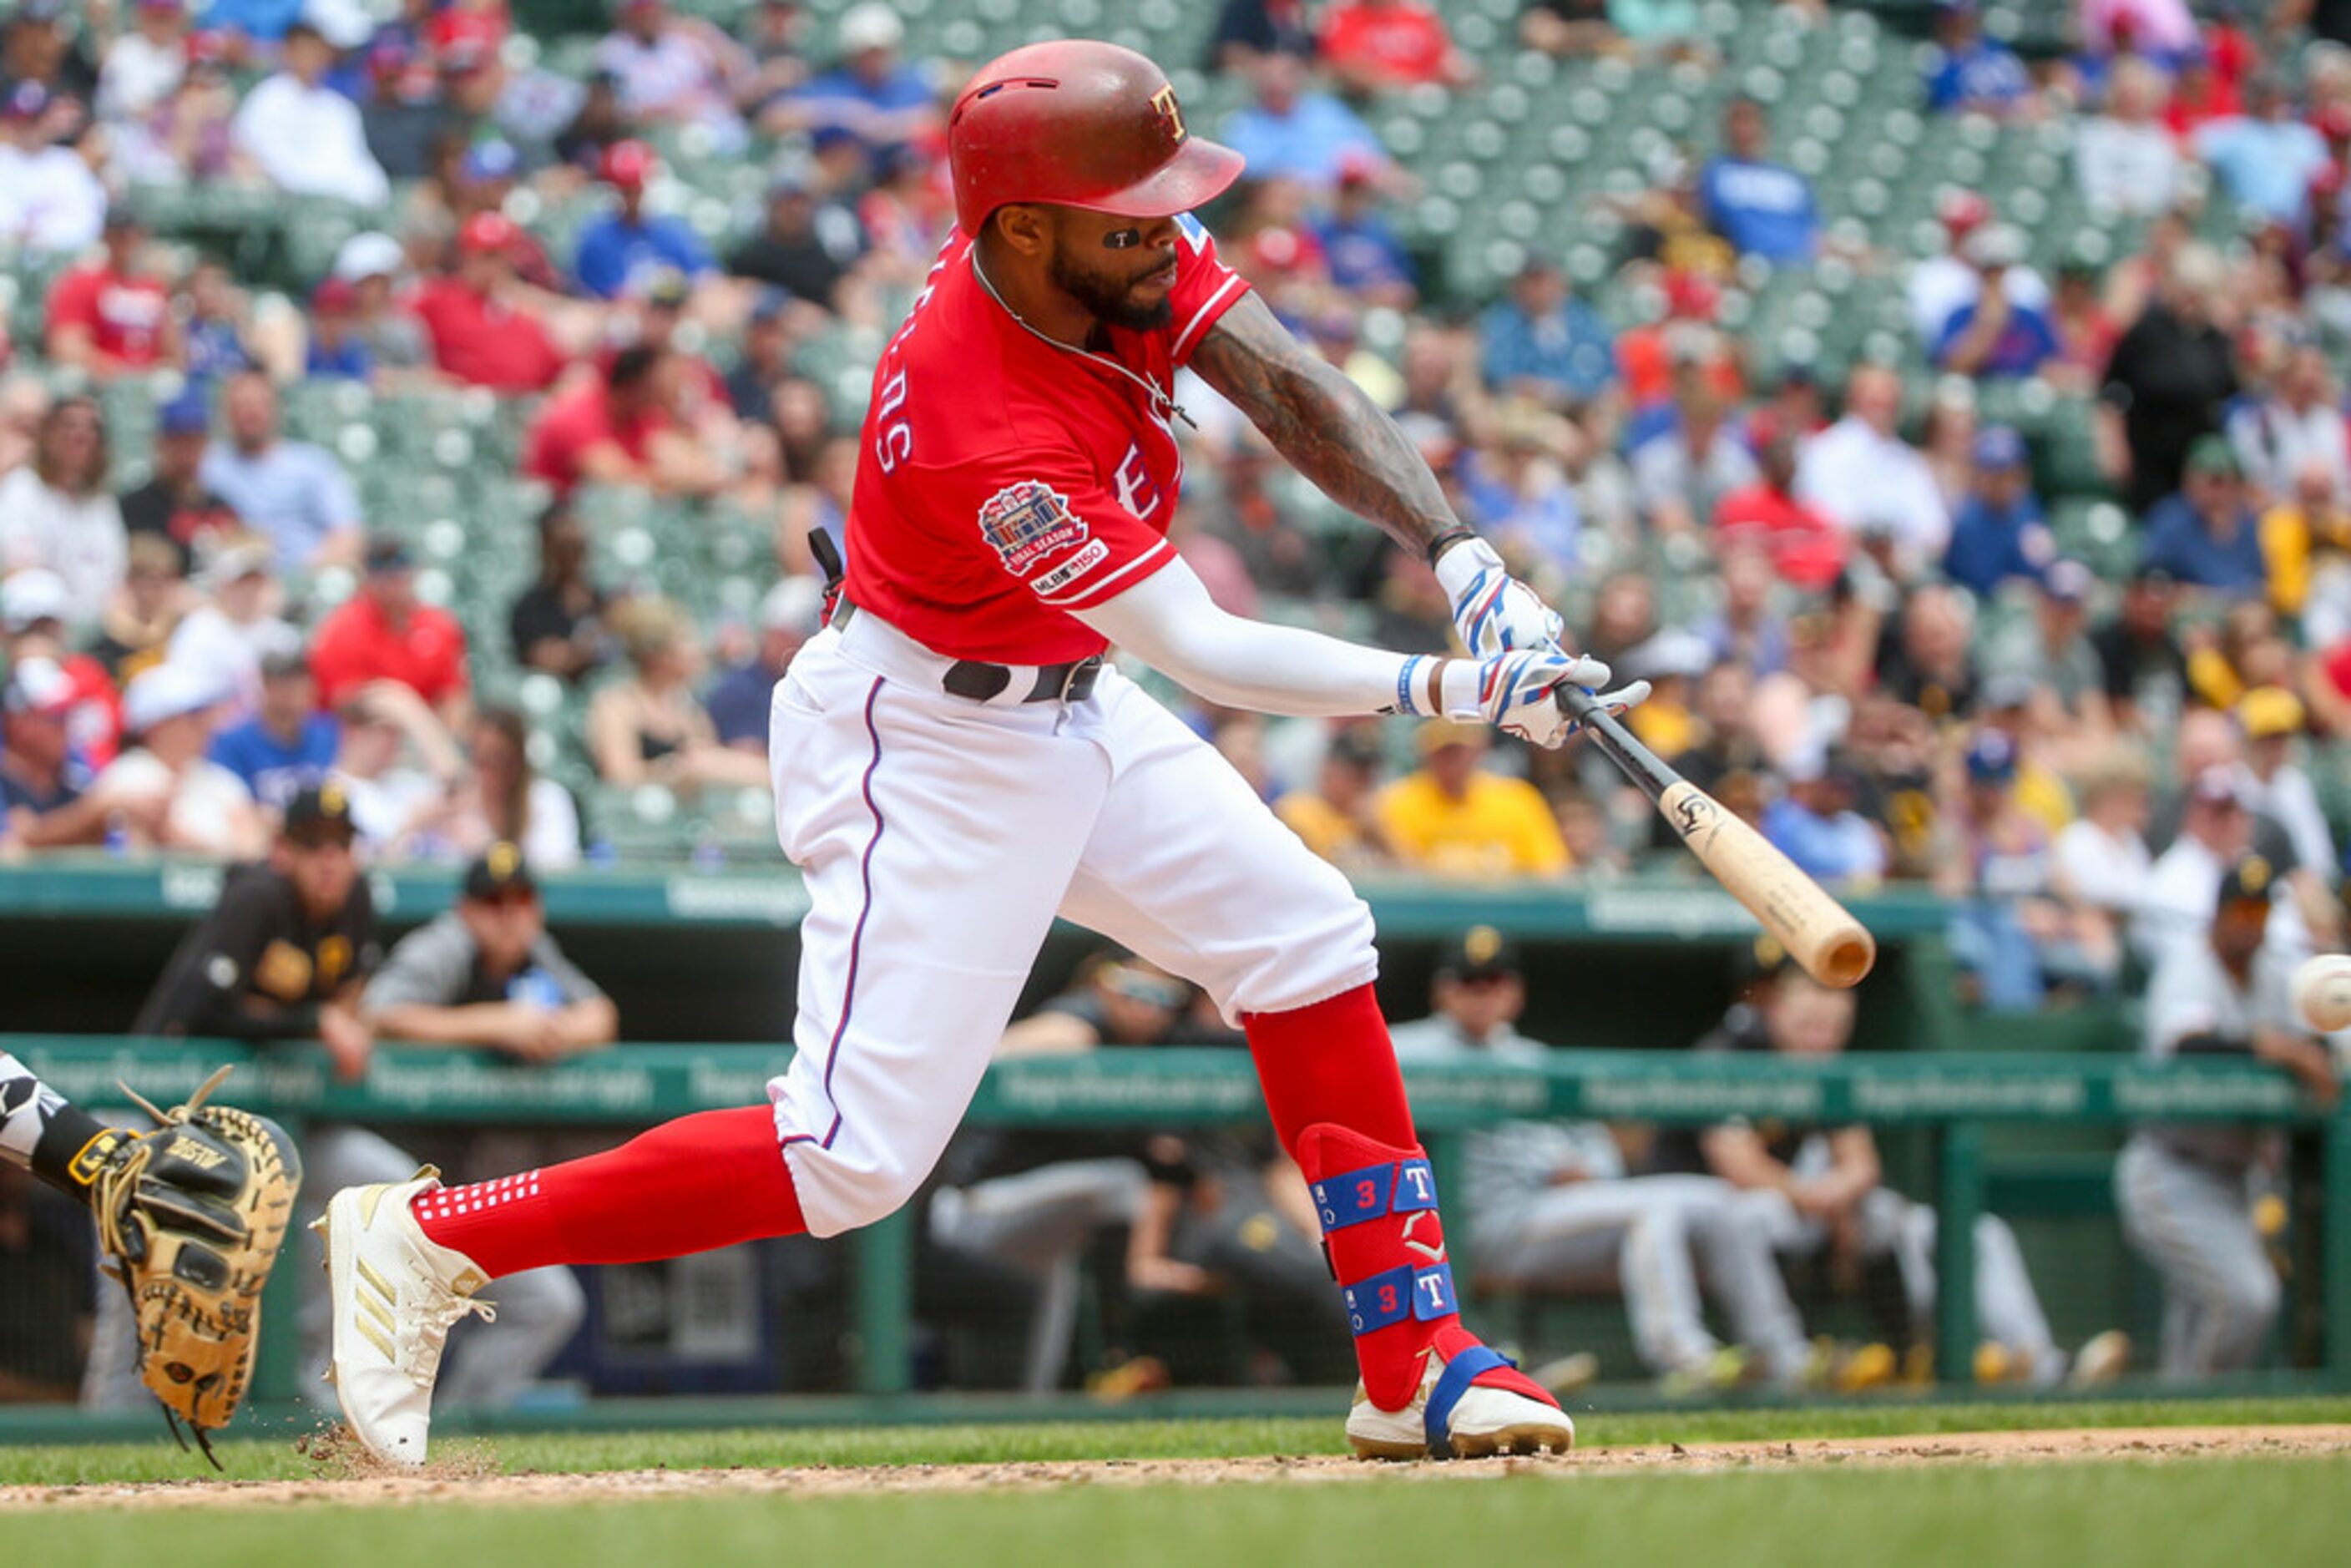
[939, 837]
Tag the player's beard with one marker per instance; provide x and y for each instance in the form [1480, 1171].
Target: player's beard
[1108, 297]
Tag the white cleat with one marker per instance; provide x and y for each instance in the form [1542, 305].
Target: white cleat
[1483, 1422]
[394, 1295]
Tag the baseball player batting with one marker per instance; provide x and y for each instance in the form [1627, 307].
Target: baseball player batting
[955, 765]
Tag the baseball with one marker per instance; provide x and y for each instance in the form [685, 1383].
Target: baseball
[2321, 992]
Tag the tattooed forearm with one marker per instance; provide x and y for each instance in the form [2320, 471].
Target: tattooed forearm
[1324, 426]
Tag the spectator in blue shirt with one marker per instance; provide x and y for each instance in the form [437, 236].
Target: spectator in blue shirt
[1293, 130]
[1968, 73]
[792, 612]
[1360, 246]
[1543, 343]
[288, 746]
[2205, 534]
[872, 94]
[1761, 207]
[1993, 335]
[2266, 157]
[1814, 824]
[621, 247]
[335, 352]
[262, 21]
[1997, 531]
[291, 491]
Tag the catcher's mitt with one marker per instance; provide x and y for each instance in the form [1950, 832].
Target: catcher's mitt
[191, 1217]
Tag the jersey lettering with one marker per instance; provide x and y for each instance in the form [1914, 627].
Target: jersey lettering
[893, 438]
[1135, 491]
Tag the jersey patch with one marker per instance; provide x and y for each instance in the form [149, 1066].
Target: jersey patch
[1068, 571]
[1029, 523]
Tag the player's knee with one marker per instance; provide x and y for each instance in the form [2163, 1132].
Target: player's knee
[1318, 953]
[2249, 1302]
[838, 1194]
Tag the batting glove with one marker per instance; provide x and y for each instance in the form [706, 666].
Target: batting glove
[1493, 612]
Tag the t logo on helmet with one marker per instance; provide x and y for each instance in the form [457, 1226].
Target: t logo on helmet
[1164, 101]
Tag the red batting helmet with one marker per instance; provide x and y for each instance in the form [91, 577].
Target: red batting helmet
[1079, 123]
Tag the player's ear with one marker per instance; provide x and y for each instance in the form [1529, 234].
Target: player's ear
[1025, 228]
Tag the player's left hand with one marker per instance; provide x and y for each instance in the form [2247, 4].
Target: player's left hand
[1493, 612]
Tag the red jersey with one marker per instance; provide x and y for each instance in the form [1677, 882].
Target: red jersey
[486, 342]
[1004, 482]
[356, 644]
[572, 426]
[1404, 43]
[125, 315]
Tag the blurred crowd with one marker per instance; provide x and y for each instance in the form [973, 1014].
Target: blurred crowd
[1843, 578]
[1871, 628]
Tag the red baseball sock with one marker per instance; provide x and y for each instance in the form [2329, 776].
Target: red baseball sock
[1337, 1099]
[703, 1181]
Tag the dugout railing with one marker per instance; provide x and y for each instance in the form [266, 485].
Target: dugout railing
[1952, 1098]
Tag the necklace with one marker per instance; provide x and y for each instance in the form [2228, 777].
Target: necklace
[1162, 404]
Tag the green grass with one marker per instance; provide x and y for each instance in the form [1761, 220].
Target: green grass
[2279, 1513]
[1141, 1439]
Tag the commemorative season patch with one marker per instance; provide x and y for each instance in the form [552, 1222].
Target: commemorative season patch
[1027, 524]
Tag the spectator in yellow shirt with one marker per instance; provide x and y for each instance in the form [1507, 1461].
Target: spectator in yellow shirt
[1336, 817]
[1453, 818]
[2295, 531]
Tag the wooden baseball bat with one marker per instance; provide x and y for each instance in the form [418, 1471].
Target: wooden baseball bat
[1818, 932]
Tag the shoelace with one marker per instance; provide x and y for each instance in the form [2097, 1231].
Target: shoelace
[424, 1328]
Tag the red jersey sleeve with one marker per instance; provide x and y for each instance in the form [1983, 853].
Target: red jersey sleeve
[1205, 289]
[1061, 531]
[73, 302]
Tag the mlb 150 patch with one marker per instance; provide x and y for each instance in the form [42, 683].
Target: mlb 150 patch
[1027, 524]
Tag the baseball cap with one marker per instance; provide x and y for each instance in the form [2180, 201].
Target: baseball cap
[486, 232]
[627, 162]
[387, 553]
[2008, 691]
[1481, 953]
[2068, 581]
[184, 415]
[1358, 746]
[1999, 446]
[2249, 880]
[789, 177]
[1991, 758]
[165, 692]
[500, 872]
[487, 160]
[39, 686]
[27, 101]
[2214, 786]
[235, 559]
[1359, 167]
[320, 814]
[280, 662]
[1994, 245]
[333, 298]
[871, 26]
[794, 604]
[2212, 454]
[2146, 574]
[666, 286]
[2267, 712]
[32, 596]
[122, 217]
[1438, 734]
[1960, 211]
[366, 256]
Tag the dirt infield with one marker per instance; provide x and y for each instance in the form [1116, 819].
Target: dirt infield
[470, 1479]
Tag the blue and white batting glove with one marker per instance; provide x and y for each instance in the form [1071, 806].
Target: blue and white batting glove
[1493, 612]
[1515, 692]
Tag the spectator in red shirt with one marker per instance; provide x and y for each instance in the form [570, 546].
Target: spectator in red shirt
[620, 429]
[1373, 45]
[481, 333]
[111, 315]
[384, 632]
[1804, 545]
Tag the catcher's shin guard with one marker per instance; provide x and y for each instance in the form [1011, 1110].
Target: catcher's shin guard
[1430, 1388]
[191, 1217]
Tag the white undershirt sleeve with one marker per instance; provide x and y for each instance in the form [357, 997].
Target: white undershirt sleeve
[1169, 622]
